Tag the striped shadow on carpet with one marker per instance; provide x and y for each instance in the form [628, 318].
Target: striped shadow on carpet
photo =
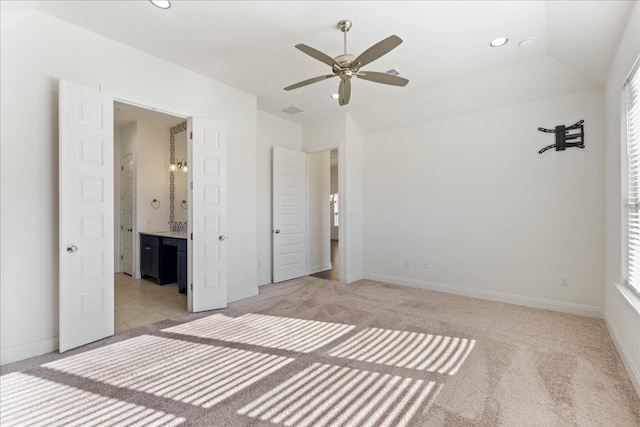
[283, 333]
[32, 401]
[327, 395]
[156, 366]
[435, 353]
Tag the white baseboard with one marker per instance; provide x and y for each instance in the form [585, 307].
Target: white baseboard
[632, 370]
[564, 307]
[355, 277]
[25, 351]
[319, 268]
[238, 294]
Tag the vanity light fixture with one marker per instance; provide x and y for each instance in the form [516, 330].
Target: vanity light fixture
[182, 165]
[335, 96]
[498, 41]
[162, 4]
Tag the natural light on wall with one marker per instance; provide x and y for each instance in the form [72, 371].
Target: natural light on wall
[434, 353]
[267, 331]
[632, 125]
[327, 395]
[30, 401]
[197, 374]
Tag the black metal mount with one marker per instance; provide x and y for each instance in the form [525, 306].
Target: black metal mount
[566, 136]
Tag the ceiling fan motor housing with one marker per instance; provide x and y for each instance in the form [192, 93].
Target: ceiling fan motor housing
[345, 60]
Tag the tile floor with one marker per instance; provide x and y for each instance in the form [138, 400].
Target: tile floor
[141, 302]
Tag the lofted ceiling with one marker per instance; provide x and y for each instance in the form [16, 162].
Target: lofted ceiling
[250, 44]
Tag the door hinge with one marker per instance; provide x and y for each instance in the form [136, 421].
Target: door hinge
[191, 135]
[191, 236]
[121, 168]
[192, 286]
[121, 228]
[191, 185]
[121, 257]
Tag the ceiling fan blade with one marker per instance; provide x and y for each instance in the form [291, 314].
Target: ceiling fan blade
[377, 50]
[383, 78]
[344, 92]
[309, 81]
[314, 53]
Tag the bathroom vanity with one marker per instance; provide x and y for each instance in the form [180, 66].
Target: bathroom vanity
[163, 258]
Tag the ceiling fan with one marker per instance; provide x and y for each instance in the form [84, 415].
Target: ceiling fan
[346, 65]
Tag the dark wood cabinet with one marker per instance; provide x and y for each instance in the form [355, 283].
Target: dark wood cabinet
[155, 262]
[164, 259]
[150, 256]
[179, 247]
[182, 271]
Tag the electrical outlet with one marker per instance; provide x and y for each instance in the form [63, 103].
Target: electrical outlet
[564, 282]
[406, 264]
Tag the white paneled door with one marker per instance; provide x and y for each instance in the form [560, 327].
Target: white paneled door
[86, 214]
[207, 252]
[127, 229]
[289, 214]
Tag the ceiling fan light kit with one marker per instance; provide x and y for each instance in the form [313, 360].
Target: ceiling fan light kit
[346, 66]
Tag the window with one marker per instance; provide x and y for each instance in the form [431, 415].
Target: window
[632, 127]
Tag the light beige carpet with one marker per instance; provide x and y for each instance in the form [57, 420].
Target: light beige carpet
[312, 352]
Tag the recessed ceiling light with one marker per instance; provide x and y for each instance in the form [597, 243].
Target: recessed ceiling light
[499, 41]
[527, 42]
[162, 4]
[335, 95]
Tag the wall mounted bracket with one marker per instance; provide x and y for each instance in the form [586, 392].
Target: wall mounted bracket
[566, 137]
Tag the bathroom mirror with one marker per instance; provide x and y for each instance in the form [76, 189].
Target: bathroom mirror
[178, 177]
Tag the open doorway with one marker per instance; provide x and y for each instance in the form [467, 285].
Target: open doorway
[149, 198]
[332, 218]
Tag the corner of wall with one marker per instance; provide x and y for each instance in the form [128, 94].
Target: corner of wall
[239, 294]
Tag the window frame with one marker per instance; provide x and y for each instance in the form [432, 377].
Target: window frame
[627, 163]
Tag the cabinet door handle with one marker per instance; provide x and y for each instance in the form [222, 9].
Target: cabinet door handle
[147, 248]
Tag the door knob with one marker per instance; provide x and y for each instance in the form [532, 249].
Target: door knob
[72, 249]
[221, 238]
[276, 231]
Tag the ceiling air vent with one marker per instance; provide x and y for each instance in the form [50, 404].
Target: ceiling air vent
[393, 72]
[292, 109]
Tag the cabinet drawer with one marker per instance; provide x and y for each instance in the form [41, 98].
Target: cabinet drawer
[181, 244]
[147, 240]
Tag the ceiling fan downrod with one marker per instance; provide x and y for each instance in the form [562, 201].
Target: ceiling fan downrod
[345, 26]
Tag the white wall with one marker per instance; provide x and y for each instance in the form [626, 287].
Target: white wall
[352, 205]
[152, 177]
[36, 50]
[491, 217]
[319, 237]
[272, 131]
[149, 142]
[621, 309]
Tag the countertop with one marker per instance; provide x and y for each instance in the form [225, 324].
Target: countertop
[174, 234]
